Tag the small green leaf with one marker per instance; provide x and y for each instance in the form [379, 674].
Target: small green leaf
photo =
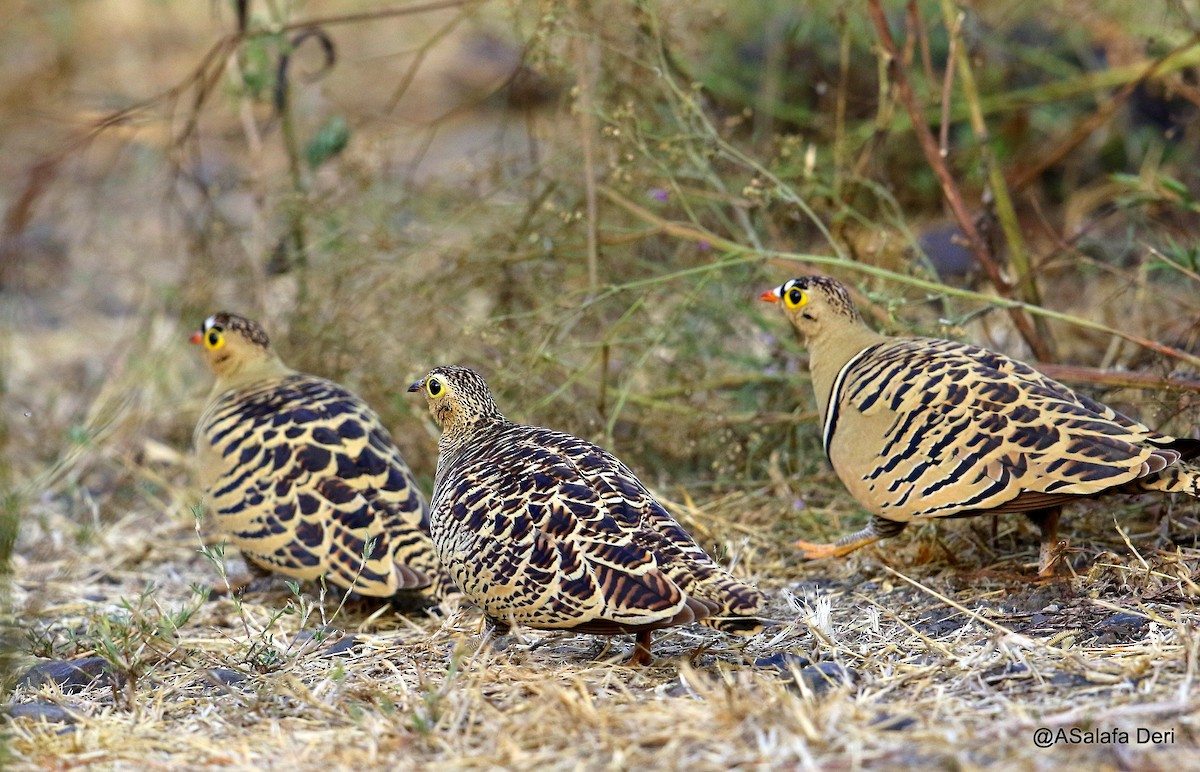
[329, 140]
[1175, 186]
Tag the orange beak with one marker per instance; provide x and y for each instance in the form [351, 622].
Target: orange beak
[196, 337]
[769, 296]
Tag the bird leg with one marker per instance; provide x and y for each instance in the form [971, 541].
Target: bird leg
[641, 650]
[495, 634]
[257, 578]
[1053, 549]
[878, 528]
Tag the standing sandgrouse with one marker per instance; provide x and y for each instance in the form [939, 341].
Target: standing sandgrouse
[300, 473]
[543, 529]
[919, 428]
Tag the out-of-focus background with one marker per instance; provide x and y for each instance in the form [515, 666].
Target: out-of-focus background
[582, 201]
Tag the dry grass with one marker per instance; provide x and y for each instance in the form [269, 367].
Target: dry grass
[457, 229]
[952, 665]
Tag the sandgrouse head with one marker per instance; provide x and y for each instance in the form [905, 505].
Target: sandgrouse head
[231, 343]
[457, 397]
[814, 303]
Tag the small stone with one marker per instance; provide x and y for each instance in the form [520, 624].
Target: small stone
[47, 712]
[1120, 627]
[817, 585]
[826, 675]
[783, 661]
[819, 678]
[893, 723]
[948, 253]
[344, 646]
[1124, 622]
[70, 675]
[320, 634]
[1010, 670]
[224, 676]
[1068, 679]
[941, 621]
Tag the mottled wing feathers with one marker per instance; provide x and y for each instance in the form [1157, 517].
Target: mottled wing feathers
[561, 534]
[929, 428]
[303, 478]
[735, 604]
[544, 550]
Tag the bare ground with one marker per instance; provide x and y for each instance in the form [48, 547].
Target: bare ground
[912, 661]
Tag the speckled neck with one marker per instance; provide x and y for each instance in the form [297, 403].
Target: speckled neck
[462, 427]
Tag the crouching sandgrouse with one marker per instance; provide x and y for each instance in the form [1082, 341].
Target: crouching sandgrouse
[546, 530]
[301, 475]
[919, 428]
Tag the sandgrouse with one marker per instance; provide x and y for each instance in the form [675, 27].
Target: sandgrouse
[919, 428]
[301, 475]
[546, 530]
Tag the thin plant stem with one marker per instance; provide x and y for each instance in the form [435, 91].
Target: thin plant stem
[950, 188]
[1005, 213]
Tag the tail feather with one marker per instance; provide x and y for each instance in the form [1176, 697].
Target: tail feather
[739, 604]
[735, 603]
[737, 625]
[443, 587]
[1183, 477]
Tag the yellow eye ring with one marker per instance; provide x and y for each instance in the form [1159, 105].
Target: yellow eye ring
[434, 387]
[795, 297]
[213, 339]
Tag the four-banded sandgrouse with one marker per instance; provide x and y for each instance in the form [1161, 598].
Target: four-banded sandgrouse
[301, 475]
[543, 529]
[919, 428]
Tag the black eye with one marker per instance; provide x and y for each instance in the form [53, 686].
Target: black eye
[435, 387]
[214, 337]
[794, 296]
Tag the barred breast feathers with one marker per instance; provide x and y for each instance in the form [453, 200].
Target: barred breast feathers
[301, 475]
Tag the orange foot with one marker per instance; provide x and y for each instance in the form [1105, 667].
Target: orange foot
[813, 551]
[1050, 556]
[840, 549]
